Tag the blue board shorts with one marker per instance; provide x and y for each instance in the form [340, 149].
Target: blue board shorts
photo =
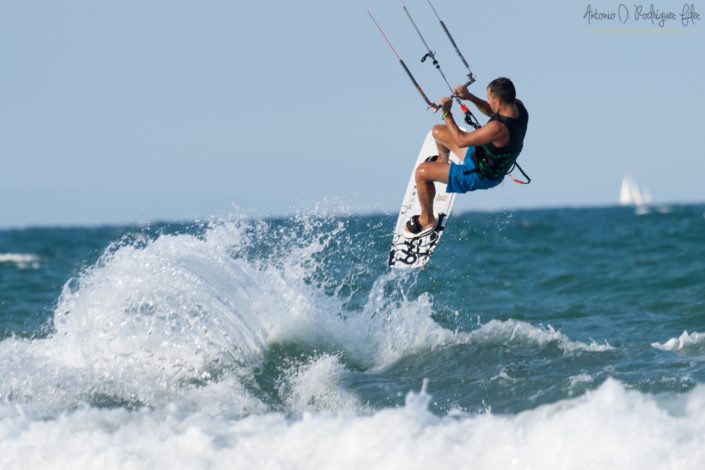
[462, 178]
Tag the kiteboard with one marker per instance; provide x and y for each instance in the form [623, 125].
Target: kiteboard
[409, 253]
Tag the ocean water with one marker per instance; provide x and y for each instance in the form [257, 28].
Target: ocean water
[541, 339]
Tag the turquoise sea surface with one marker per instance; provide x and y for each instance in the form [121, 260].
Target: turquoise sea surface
[557, 338]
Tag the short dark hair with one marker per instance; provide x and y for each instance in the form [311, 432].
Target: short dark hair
[503, 88]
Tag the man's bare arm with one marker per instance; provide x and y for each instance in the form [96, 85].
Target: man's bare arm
[490, 132]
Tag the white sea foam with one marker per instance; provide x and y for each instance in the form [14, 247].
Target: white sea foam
[522, 333]
[315, 386]
[21, 260]
[148, 325]
[690, 343]
[610, 427]
[578, 381]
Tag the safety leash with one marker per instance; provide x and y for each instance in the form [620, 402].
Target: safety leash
[516, 165]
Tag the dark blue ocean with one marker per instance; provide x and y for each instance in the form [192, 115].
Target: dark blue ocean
[558, 338]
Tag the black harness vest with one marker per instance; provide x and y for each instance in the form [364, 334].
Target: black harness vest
[494, 162]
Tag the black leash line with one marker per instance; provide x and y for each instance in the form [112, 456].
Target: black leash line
[470, 119]
[471, 77]
[403, 65]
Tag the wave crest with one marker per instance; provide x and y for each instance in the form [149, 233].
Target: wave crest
[689, 343]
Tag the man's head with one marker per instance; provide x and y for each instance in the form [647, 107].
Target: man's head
[500, 91]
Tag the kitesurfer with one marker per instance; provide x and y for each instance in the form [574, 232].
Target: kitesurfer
[487, 154]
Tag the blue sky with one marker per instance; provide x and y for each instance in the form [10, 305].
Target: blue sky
[133, 111]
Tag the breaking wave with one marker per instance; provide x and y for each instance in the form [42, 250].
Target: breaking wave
[192, 318]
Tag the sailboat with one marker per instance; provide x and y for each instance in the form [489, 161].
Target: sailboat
[632, 195]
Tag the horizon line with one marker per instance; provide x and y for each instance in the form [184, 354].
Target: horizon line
[322, 212]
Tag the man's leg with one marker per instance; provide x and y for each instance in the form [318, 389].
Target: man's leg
[444, 143]
[426, 174]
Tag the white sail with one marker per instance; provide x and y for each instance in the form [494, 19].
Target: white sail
[625, 197]
[632, 195]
